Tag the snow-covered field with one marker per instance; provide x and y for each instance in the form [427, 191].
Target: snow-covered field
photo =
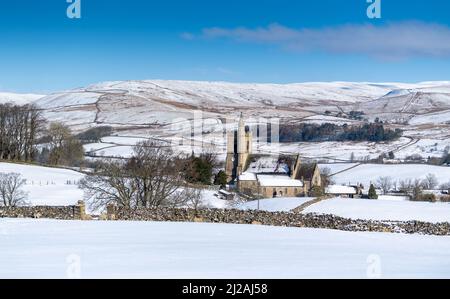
[48, 186]
[58, 187]
[117, 151]
[434, 118]
[337, 167]
[383, 210]
[211, 200]
[369, 173]
[94, 249]
[275, 204]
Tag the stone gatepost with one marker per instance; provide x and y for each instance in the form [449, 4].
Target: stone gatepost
[81, 211]
[111, 212]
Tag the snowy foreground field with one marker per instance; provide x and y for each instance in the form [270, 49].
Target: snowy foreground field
[383, 210]
[97, 249]
[72, 249]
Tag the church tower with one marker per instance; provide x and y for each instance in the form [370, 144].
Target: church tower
[239, 149]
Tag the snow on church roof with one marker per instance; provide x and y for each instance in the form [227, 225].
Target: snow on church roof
[268, 165]
[278, 181]
[247, 176]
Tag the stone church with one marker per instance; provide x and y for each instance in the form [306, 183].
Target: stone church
[239, 149]
[266, 175]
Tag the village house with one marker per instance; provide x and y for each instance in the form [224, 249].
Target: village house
[342, 191]
[267, 175]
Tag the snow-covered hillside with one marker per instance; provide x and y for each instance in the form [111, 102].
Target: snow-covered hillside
[199, 93]
[170, 111]
[96, 249]
[17, 98]
[164, 110]
[163, 102]
[138, 99]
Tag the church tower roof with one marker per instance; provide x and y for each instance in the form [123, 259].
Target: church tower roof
[241, 121]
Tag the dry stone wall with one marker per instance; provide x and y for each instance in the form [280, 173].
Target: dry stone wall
[283, 219]
[76, 212]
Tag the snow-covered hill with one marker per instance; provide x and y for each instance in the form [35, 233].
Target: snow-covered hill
[163, 110]
[161, 102]
[145, 103]
[408, 105]
[16, 98]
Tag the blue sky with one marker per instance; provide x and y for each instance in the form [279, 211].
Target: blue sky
[41, 50]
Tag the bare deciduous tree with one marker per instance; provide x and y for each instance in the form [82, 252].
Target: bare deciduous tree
[417, 189]
[189, 197]
[406, 186]
[327, 179]
[430, 182]
[412, 188]
[19, 129]
[110, 184]
[194, 199]
[385, 184]
[64, 147]
[445, 186]
[157, 172]
[11, 193]
[151, 178]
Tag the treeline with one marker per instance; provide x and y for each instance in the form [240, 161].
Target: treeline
[374, 132]
[25, 137]
[59, 146]
[19, 129]
[95, 134]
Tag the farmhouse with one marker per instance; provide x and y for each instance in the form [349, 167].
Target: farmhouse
[267, 175]
[341, 191]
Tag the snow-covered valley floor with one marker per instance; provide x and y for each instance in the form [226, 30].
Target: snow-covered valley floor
[95, 249]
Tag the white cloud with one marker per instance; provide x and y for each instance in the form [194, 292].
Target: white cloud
[187, 36]
[392, 40]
